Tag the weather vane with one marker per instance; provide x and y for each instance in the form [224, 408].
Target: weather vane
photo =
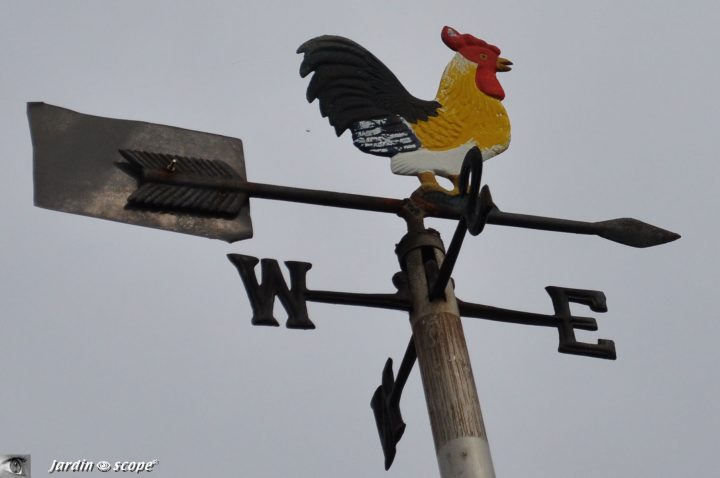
[195, 183]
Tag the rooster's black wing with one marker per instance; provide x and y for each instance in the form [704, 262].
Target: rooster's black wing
[357, 91]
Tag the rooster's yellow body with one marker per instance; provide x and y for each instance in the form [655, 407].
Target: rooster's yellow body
[466, 114]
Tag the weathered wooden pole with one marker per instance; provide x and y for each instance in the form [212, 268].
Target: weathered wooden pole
[461, 443]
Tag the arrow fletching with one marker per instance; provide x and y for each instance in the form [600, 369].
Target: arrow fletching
[194, 185]
[632, 232]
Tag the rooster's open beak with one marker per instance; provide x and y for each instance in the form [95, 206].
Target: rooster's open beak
[503, 64]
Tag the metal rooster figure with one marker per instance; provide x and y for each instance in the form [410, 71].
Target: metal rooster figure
[195, 183]
[424, 138]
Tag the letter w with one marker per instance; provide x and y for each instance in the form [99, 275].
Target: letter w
[262, 296]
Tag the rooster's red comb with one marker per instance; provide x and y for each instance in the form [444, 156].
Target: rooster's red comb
[456, 41]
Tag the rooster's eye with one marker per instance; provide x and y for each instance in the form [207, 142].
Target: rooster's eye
[483, 56]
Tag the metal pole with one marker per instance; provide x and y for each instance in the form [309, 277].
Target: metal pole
[461, 443]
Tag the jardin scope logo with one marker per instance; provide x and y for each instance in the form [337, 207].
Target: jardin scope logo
[103, 466]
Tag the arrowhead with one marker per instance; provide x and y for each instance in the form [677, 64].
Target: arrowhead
[632, 232]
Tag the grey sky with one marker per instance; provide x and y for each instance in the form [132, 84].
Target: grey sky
[125, 343]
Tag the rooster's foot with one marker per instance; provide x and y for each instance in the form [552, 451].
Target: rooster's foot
[456, 186]
[428, 183]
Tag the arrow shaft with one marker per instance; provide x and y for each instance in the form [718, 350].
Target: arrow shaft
[320, 197]
[625, 231]
[276, 192]
[527, 221]
[394, 206]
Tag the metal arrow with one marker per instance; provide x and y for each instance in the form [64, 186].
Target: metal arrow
[626, 231]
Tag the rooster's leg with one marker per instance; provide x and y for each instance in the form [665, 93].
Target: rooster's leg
[429, 183]
[455, 178]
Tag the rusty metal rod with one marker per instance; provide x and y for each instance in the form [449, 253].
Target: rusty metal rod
[631, 232]
[438, 288]
[467, 309]
[404, 370]
[625, 230]
[322, 198]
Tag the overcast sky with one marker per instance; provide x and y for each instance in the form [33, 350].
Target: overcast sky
[127, 343]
